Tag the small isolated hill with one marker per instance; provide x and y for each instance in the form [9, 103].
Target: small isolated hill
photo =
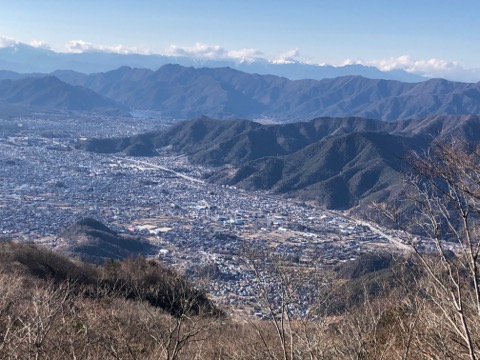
[94, 242]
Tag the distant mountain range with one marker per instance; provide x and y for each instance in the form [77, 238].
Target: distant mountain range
[28, 59]
[337, 162]
[179, 92]
[49, 93]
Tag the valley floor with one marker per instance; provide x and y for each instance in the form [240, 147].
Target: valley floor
[193, 224]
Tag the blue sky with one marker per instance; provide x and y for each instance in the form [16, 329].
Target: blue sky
[440, 35]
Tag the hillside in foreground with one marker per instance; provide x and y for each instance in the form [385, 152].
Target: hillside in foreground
[54, 308]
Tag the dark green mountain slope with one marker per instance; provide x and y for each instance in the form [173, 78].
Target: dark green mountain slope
[49, 93]
[186, 92]
[215, 142]
[338, 162]
[193, 137]
[336, 172]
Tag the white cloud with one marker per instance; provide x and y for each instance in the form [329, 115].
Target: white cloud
[198, 50]
[289, 57]
[405, 62]
[203, 51]
[81, 46]
[213, 52]
[247, 55]
[40, 44]
[431, 68]
[7, 42]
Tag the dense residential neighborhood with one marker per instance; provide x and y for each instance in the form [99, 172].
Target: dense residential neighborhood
[164, 199]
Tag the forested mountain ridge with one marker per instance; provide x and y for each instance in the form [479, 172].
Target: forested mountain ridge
[178, 92]
[337, 162]
[182, 92]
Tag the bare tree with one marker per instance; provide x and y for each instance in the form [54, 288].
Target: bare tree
[443, 203]
[187, 317]
[33, 319]
[189, 326]
[291, 299]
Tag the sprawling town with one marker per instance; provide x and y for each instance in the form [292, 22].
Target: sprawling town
[197, 227]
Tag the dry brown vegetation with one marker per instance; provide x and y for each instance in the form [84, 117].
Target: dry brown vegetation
[138, 309]
[424, 306]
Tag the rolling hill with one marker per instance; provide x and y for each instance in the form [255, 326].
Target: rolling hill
[337, 162]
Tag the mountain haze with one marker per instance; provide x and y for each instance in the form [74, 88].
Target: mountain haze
[28, 59]
[50, 93]
[180, 92]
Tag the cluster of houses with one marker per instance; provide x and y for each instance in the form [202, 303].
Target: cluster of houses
[196, 226]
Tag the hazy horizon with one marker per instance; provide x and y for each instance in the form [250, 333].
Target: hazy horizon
[428, 38]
